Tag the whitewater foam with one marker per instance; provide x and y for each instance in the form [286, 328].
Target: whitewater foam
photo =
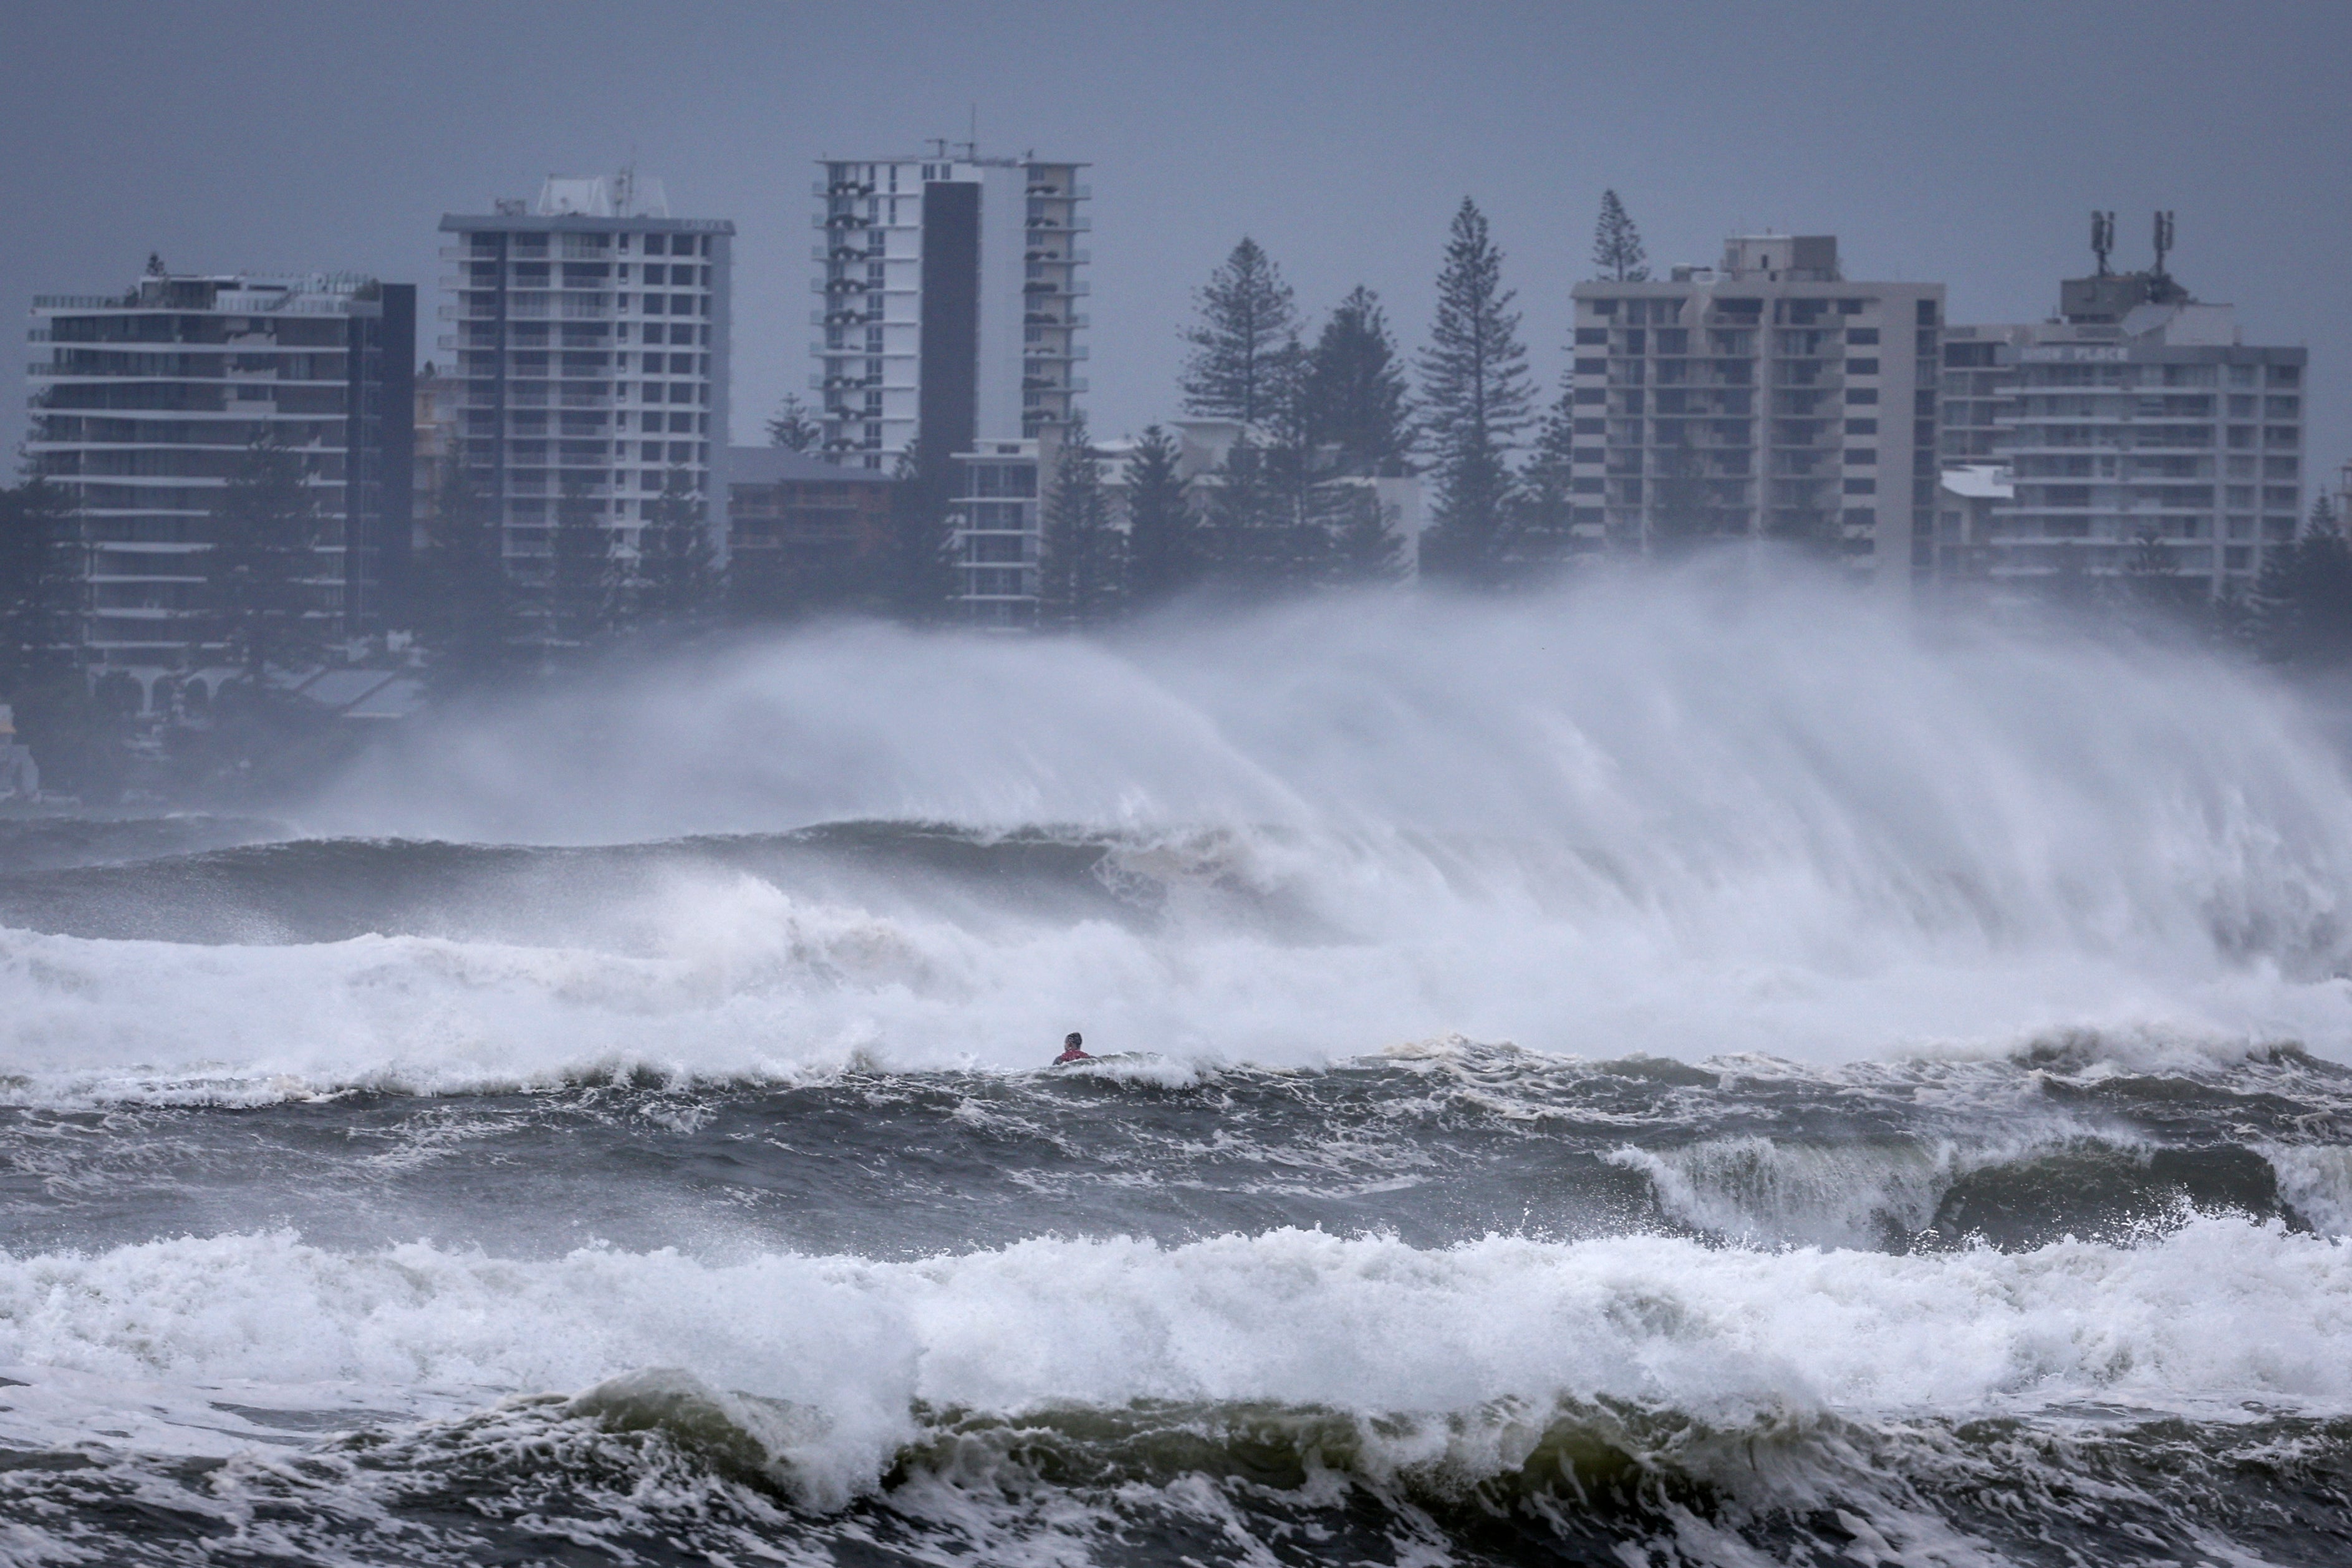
[2217, 1312]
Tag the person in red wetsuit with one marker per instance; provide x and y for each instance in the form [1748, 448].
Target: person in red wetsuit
[1071, 1051]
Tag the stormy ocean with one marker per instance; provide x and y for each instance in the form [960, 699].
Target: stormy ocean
[1699, 1073]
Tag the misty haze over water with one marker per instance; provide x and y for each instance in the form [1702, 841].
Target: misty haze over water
[1693, 1059]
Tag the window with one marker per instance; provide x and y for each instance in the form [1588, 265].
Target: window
[2284, 376]
[1926, 312]
[1862, 428]
[1861, 487]
[1859, 397]
[655, 245]
[1592, 337]
[1862, 454]
[1861, 336]
[1862, 367]
[1854, 307]
[2282, 408]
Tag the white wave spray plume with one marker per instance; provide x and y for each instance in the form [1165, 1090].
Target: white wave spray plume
[1680, 815]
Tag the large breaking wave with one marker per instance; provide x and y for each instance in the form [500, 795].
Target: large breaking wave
[1694, 1072]
[1672, 817]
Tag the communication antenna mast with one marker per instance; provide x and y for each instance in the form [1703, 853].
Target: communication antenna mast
[2163, 238]
[625, 187]
[2103, 237]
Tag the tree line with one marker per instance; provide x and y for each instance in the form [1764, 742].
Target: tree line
[1343, 407]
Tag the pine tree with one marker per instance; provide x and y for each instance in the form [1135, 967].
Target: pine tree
[1163, 543]
[2303, 603]
[469, 611]
[40, 590]
[1360, 544]
[1541, 536]
[586, 581]
[1261, 539]
[1079, 576]
[676, 579]
[1353, 394]
[261, 568]
[1239, 366]
[1476, 395]
[793, 427]
[1617, 244]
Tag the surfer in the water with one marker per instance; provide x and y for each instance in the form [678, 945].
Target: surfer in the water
[1071, 1050]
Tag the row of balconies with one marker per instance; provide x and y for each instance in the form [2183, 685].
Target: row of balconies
[48, 372]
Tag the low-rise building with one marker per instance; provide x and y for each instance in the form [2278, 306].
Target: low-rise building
[803, 534]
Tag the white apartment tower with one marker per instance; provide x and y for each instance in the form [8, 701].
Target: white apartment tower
[591, 345]
[949, 288]
[1764, 397]
[2134, 432]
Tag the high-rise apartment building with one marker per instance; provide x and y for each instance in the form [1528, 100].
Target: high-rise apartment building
[949, 312]
[145, 402]
[1767, 397]
[2140, 433]
[591, 340]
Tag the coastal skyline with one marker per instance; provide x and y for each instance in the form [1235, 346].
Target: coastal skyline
[1341, 138]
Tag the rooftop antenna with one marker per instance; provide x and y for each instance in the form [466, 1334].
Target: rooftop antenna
[2103, 237]
[2163, 239]
[624, 186]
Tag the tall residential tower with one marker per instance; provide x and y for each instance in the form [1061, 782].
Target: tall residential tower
[1767, 396]
[591, 342]
[949, 303]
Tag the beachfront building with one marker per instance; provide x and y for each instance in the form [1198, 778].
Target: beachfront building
[588, 335]
[948, 294]
[2138, 433]
[1766, 397]
[145, 402]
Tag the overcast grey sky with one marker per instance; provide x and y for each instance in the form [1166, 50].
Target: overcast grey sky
[1955, 142]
